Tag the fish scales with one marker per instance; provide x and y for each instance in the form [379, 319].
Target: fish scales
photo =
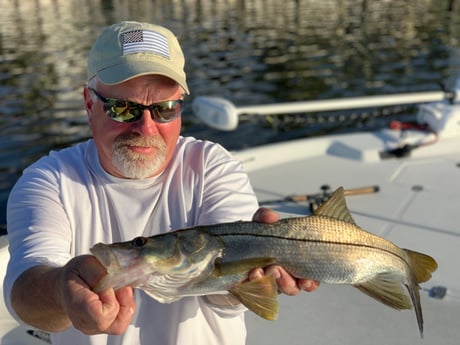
[325, 249]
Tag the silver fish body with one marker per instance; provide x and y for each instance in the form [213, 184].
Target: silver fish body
[327, 246]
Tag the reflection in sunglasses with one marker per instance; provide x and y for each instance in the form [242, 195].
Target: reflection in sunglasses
[126, 111]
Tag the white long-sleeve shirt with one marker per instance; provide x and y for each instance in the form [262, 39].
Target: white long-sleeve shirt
[65, 203]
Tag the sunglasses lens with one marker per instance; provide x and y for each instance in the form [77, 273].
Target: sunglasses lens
[126, 111]
[167, 111]
[122, 111]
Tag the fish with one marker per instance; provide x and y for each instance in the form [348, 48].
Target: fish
[327, 246]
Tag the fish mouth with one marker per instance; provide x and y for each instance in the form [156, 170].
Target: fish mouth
[121, 268]
[105, 256]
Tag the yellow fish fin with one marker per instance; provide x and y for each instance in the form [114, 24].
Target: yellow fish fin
[386, 288]
[335, 207]
[259, 295]
[414, 292]
[421, 265]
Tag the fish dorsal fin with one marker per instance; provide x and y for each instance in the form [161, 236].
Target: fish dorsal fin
[259, 295]
[335, 207]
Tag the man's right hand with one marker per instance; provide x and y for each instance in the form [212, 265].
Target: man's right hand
[92, 313]
[53, 299]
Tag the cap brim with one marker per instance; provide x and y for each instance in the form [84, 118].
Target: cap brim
[123, 72]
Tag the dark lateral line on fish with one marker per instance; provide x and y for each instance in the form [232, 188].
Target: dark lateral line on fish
[311, 241]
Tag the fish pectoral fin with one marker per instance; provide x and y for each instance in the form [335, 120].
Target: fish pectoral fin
[388, 289]
[116, 281]
[162, 298]
[259, 295]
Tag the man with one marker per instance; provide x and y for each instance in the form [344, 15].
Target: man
[136, 177]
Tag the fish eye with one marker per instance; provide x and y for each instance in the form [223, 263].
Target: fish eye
[139, 241]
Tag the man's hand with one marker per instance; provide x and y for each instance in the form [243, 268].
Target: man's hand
[287, 284]
[54, 298]
[92, 313]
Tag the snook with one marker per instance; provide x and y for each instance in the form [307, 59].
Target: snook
[327, 246]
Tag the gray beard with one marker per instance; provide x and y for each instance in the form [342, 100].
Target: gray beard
[136, 165]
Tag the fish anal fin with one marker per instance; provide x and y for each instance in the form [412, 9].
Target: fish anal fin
[387, 289]
[335, 207]
[422, 265]
[259, 295]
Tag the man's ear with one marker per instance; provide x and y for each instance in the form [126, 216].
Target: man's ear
[89, 102]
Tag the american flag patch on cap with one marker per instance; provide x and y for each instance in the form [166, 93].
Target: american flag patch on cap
[145, 41]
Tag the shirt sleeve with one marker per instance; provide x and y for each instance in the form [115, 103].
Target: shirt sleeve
[38, 229]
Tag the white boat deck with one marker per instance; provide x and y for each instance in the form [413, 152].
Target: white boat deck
[416, 207]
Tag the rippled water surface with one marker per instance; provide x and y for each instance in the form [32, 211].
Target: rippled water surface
[250, 52]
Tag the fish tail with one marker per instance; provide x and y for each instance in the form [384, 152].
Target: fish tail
[414, 292]
[386, 287]
[421, 267]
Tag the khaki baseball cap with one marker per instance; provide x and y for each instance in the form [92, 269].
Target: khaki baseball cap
[131, 49]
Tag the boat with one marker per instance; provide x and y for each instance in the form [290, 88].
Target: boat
[401, 183]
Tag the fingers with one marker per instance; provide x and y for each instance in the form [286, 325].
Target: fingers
[126, 308]
[256, 273]
[287, 284]
[308, 285]
[92, 313]
[265, 215]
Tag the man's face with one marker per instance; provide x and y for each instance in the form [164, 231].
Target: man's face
[137, 149]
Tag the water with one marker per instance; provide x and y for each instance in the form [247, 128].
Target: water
[251, 52]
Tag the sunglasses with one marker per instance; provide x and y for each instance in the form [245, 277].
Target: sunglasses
[126, 111]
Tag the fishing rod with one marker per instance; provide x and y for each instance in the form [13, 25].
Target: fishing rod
[222, 114]
[316, 199]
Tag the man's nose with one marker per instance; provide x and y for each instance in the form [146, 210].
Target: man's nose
[146, 126]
